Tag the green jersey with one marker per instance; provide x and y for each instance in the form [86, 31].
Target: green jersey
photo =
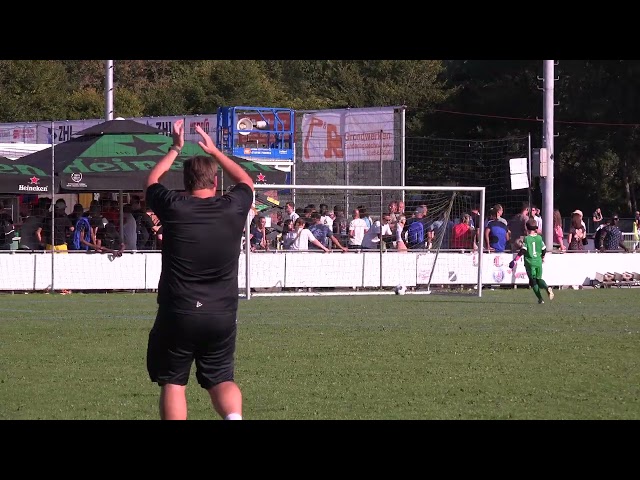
[533, 246]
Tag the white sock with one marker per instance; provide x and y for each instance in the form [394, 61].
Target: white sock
[233, 416]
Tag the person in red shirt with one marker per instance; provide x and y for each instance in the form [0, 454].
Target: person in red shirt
[462, 234]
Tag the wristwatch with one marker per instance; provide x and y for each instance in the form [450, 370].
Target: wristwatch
[176, 149]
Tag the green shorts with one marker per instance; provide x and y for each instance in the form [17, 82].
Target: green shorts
[534, 272]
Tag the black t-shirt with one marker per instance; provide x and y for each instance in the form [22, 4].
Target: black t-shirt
[6, 239]
[28, 232]
[144, 230]
[109, 236]
[62, 228]
[200, 248]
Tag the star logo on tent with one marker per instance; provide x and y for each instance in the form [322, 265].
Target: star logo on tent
[34, 180]
[261, 177]
[143, 146]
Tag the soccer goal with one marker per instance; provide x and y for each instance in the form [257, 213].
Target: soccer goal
[446, 257]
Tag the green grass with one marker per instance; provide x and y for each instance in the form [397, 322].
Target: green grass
[501, 356]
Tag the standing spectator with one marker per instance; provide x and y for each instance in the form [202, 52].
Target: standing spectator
[416, 231]
[579, 212]
[475, 224]
[258, 235]
[29, 239]
[323, 234]
[558, 234]
[290, 210]
[498, 208]
[108, 238]
[326, 215]
[597, 218]
[636, 229]
[198, 287]
[56, 239]
[144, 225]
[401, 246]
[535, 213]
[300, 237]
[462, 234]
[611, 239]
[78, 211]
[129, 228]
[364, 214]
[340, 224]
[401, 208]
[7, 229]
[496, 233]
[357, 229]
[577, 233]
[392, 211]
[518, 227]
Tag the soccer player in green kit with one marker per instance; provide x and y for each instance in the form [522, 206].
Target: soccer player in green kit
[533, 250]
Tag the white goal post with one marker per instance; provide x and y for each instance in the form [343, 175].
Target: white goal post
[362, 271]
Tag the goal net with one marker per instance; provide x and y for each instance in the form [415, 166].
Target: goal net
[442, 161]
[445, 256]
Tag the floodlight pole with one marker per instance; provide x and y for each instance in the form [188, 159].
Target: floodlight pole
[53, 207]
[547, 142]
[108, 90]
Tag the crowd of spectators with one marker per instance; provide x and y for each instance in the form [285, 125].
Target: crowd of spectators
[402, 230]
[308, 228]
[95, 229]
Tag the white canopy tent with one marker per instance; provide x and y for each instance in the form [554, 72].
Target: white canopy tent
[14, 151]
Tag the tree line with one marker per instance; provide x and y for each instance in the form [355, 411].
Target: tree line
[596, 150]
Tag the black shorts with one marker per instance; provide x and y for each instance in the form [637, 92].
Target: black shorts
[177, 339]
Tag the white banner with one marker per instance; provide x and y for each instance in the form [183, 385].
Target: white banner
[352, 135]
[78, 271]
[40, 132]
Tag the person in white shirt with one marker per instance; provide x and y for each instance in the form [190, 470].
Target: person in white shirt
[372, 238]
[129, 228]
[535, 211]
[300, 237]
[357, 229]
[326, 215]
[290, 208]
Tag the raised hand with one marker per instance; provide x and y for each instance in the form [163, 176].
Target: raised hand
[512, 264]
[178, 133]
[206, 143]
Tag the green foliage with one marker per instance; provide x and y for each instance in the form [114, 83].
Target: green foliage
[32, 90]
[493, 99]
[82, 356]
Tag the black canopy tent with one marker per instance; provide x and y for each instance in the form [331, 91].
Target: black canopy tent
[116, 156]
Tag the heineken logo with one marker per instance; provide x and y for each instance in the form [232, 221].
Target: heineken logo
[33, 186]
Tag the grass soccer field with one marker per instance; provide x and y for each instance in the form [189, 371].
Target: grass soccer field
[502, 356]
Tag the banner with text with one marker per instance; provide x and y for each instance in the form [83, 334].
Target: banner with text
[40, 132]
[351, 135]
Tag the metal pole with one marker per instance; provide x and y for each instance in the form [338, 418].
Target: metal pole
[381, 207]
[108, 90]
[53, 205]
[403, 149]
[547, 141]
[247, 253]
[293, 175]
[529, 170]
[481, 242]
[121, 215]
